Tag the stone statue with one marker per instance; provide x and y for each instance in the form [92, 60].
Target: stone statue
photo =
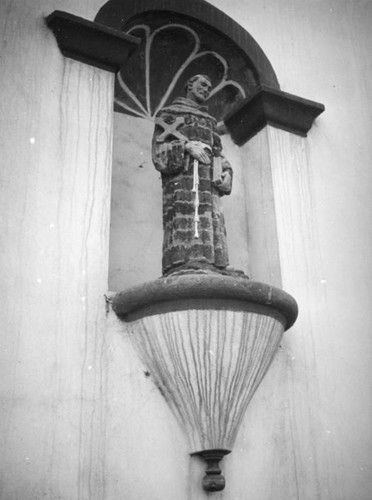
[187, 151]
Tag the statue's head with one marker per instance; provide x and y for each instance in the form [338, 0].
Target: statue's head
[198, 88]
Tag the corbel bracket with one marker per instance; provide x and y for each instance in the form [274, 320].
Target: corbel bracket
[271, 107]
[90, 42]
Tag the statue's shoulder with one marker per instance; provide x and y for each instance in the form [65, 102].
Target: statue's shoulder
[178, 106]
[167, 110]
[184, 106]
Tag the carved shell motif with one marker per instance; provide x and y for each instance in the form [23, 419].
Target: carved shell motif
[168, 55]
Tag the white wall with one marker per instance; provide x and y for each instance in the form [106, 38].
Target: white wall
[322, 188]
[56, 131]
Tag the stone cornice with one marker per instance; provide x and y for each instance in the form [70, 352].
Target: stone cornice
[90, 42]
[271, 107]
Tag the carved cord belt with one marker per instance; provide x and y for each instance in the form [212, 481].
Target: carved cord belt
[195, 187]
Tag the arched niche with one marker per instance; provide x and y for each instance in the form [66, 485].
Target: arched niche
[176, 40]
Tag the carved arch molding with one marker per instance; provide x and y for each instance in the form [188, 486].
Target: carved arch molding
[155, 45]
[179, 38]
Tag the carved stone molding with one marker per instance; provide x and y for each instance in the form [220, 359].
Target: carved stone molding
[272, 107]
[172, 292]
[90, 42]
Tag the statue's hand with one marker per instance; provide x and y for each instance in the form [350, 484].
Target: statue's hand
[225, 185]
[198, 152]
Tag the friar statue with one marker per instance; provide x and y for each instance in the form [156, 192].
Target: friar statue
[187, 151]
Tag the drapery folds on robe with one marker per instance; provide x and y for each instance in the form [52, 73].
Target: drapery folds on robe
[175, 125]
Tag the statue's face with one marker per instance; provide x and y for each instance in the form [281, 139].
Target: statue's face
[199, 90]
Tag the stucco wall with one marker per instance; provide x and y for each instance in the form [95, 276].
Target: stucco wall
[55, 141]
[79, 417]
[323, 205]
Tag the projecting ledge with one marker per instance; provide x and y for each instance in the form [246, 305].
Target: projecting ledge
[90, 42]
[273, 107]
[201, 291]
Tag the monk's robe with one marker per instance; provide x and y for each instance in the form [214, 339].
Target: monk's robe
[177, 124]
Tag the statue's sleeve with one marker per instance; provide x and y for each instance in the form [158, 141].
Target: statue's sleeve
[168, 156]
[225, 164]
[226, 167]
